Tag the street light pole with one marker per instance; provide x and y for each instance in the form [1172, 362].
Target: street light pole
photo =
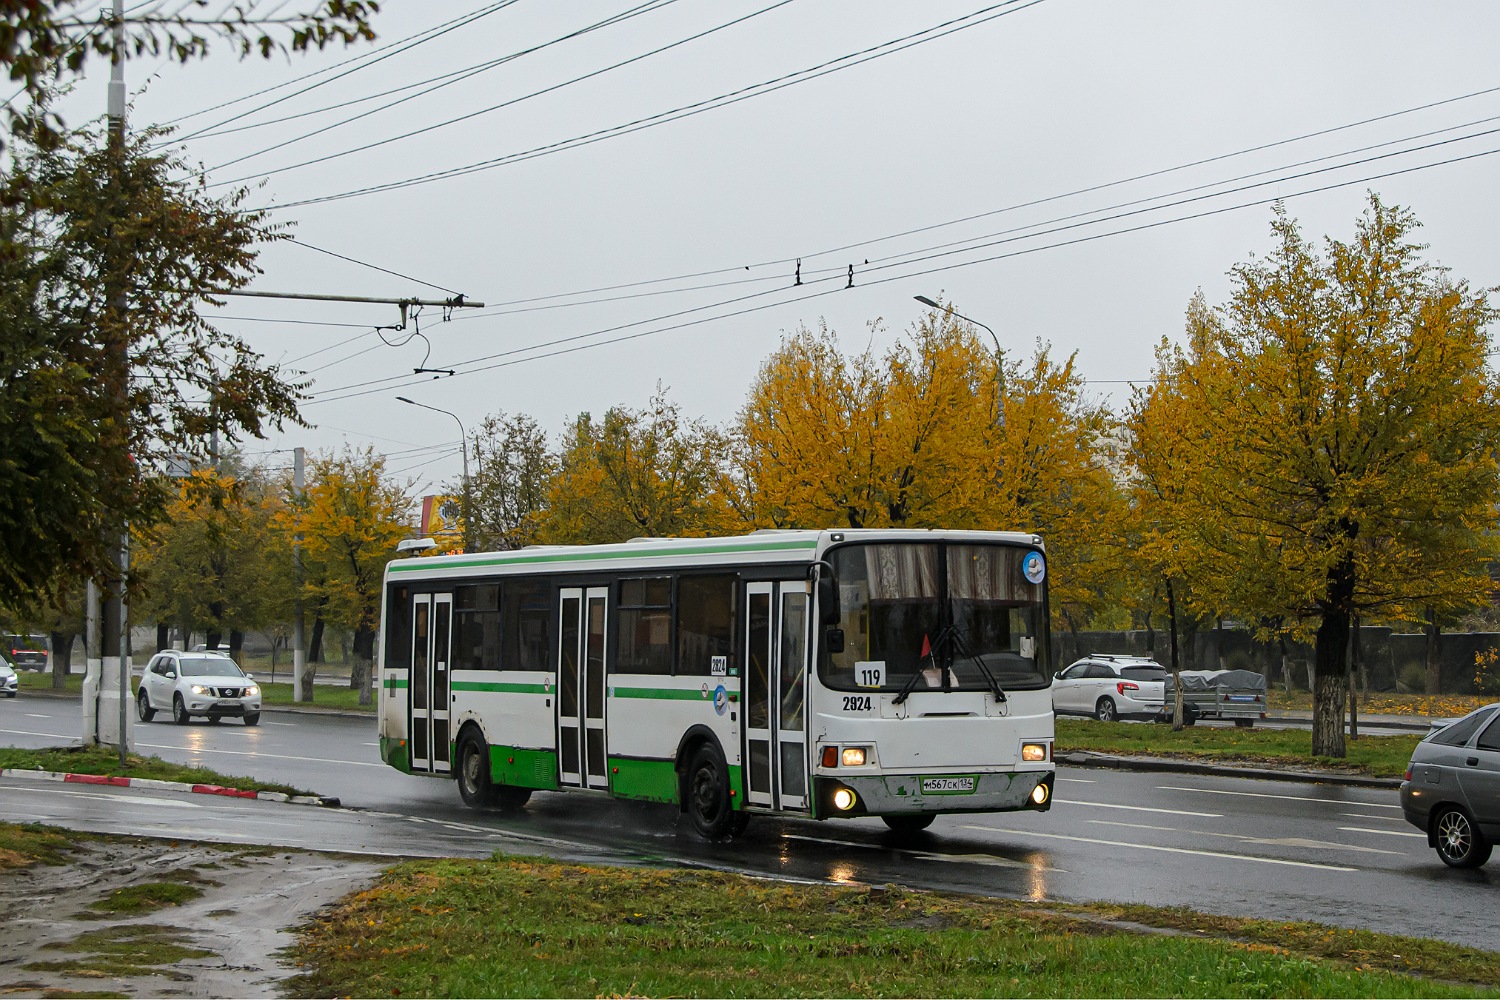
[999, 355]
[464, 448]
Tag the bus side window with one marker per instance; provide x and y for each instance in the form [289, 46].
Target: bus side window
[476, 627]
[398, 628]
[528, 620]
[706, 626]
[643, 623]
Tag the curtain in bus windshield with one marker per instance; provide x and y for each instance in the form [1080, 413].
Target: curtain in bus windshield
[901, 612]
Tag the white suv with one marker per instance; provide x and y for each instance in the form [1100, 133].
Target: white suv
[189, 684]
[1110, 688]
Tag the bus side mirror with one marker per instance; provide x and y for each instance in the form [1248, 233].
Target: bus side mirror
[833, 641]
[828, 594]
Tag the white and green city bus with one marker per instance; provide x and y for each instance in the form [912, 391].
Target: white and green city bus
[899, 674]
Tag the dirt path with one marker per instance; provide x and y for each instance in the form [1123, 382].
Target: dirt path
[152, 918]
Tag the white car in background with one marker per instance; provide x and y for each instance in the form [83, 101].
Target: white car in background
[188, 684]
[9, 683]
[1110, 688]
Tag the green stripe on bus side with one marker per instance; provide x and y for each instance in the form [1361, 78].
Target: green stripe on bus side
[523, 768]
[395, 683]
[664, 694]
[508, 687]
[413, 565]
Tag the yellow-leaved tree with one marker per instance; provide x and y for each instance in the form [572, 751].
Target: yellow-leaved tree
[1344, 432]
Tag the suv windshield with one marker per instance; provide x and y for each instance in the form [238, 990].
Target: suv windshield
[209, 666]
[956, 614]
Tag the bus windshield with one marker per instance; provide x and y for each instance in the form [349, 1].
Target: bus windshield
[963, 616]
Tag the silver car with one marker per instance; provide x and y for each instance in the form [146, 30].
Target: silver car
[189, 684]
[1452, 788]
[1110, 688]
[9, 683]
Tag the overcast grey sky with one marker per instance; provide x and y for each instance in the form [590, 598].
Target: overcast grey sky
[1049, 97]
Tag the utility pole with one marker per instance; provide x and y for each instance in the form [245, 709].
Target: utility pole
[108, 617]
[299, 650]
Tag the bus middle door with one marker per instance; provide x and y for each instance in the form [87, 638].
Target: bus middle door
[776, 643]
[580, 688]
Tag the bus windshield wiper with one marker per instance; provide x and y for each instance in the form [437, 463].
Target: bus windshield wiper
[963, 648]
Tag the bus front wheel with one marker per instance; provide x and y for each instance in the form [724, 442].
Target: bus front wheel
[908, 825]
[708, 800]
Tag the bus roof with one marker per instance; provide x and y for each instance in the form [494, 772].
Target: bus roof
[764, 546]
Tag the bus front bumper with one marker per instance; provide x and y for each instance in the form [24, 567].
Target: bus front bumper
[895, 794]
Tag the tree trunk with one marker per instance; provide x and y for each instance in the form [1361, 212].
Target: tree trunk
[1177, 709]
[1328, 683]
[1434, 664]
[163, 636]
[62, 659]
[236, 644]
[364, 656]
[1286, 665]
[315, 644]
[212, 639]
[1150, 637]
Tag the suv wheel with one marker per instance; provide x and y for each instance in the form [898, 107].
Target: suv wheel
[1104, 710]
[143, 707]
[1459, 842]
[179, 710]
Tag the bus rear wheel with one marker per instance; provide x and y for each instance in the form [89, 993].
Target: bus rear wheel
[908, 825]
[474, 784]
[708, 800]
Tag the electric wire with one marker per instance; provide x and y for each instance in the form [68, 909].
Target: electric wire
[438, 83]
[686, 111]
[495, 107]
[502, 361]
[434, 33]
[373, 267]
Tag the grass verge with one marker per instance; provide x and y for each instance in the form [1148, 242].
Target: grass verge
[1379, 756]
[100, 760]
[131, 950]
[133, 900]
[23, 844]
[529, 927]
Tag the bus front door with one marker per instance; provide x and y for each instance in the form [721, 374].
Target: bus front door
[776, 644]
[580, 688]
[431, 630]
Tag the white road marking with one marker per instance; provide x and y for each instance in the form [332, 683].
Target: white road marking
[1168, 850]
[28, 732]
[1388, 833]
[269, 756]
[1316, 845]
[33, 715]
[1144, 809]
[291, 724]
[1383, 819]
[127, 798]
[1079, 781]
[1271, 795]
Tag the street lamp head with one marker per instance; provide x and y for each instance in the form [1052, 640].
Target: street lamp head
[927, 302]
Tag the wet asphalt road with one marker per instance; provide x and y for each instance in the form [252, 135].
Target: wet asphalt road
[1252, 848]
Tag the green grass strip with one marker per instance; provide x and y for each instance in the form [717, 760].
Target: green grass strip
[530, 927]
[1378, 756]
[106, 761]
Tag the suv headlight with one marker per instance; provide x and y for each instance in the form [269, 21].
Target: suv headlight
[251, 691]
[198, 689]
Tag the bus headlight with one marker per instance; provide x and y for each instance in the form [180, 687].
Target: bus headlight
[854, 757]
[1033, 751]
[1039, 794]
[843, 799]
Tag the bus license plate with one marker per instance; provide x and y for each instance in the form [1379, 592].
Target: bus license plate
[948, 786]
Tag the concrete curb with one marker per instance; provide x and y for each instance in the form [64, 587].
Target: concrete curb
[168, 786]
[342, 713]
[1078, 759]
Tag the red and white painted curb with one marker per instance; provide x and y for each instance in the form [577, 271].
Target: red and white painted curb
[167, 786]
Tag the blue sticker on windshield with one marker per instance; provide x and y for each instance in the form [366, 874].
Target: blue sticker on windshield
[1035, 567]
[721, 699]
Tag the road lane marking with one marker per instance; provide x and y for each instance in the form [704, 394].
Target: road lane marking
[1167, 850]
[1315, 845]
[1383, 819]
[1388, 833]
[1144, 809]
[269, 756]
[1271, 795]
[1079, 781]
[289, 724]
[126, 798]
[33, 715]
[28, 732]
